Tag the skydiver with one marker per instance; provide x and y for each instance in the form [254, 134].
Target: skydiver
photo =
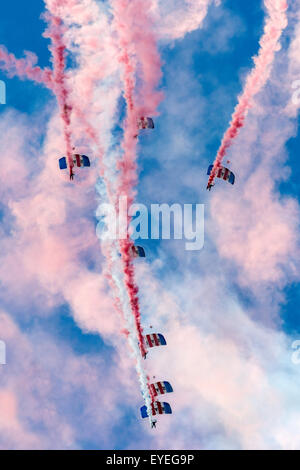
[71, 175]
[153, 423]
[209, 186]
[145, 355]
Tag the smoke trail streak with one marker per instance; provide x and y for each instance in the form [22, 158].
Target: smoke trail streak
[269, 44]
[25, 68]
[123, 15]
[138, 52]
[121, 294]
[55, 32]
[117, 280]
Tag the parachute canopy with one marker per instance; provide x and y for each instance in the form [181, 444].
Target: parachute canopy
[78, 160]
[158, 408]
[155, 339]
[160, 388]
[138, 252]
[223, 173]
[145, 123]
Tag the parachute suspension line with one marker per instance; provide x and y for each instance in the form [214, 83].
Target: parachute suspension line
[55, 32]
[269, 44]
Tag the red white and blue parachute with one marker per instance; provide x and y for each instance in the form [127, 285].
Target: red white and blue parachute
[160, 388]
[138, 252]
[155, 339]
[158, 408]
[78, 160]
[145, 123]
[223, 173]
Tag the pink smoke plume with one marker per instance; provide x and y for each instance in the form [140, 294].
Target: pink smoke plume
[25, 68]
[269, 44]
[55, 80]
[140, 59]
[55, 32]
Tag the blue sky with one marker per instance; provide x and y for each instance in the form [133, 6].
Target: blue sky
[203, 74]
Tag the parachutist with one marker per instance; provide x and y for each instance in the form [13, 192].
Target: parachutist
[222, 173]
[153, 424]
[78, 160]
[145, 123]
[155, 339]
[138, 252]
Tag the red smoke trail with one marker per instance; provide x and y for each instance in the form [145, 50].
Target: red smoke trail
[140, 59]
[138, 52]
[25, 68]
[55, 32]
[132, 289]
[269, 44]
[56, 80]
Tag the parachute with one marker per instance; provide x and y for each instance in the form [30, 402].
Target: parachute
[145, 123]
[158, 408]
[78, 160]
[138, 252]
[223, 173]
[160, 388]
[155, 339]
